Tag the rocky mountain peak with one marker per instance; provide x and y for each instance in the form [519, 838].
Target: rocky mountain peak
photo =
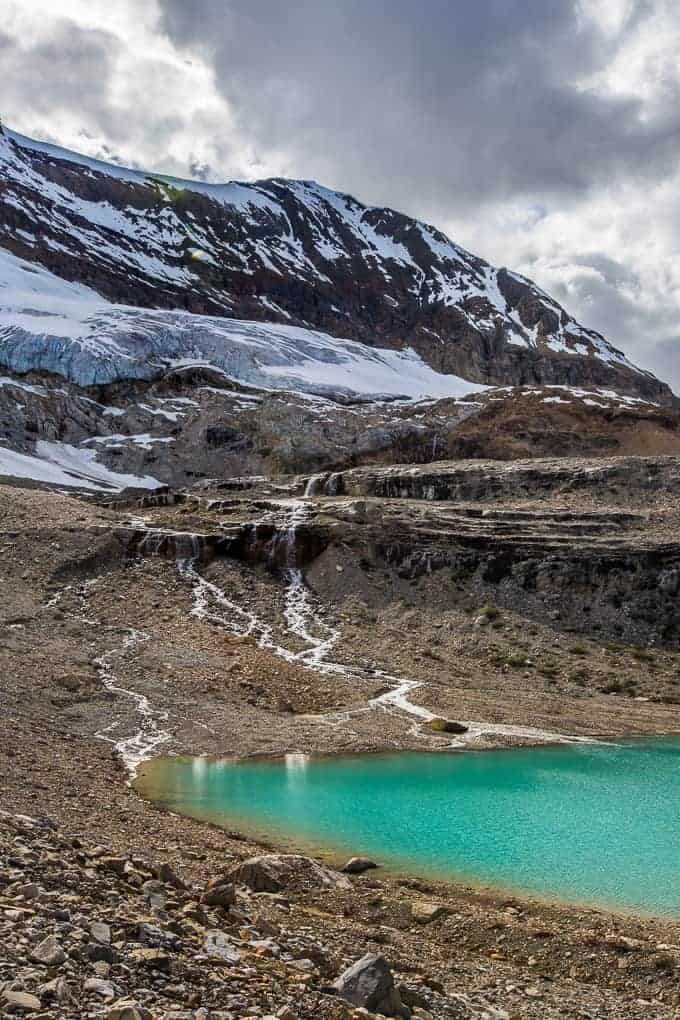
[295, 253]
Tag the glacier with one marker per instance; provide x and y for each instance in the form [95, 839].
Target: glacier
[66, 329]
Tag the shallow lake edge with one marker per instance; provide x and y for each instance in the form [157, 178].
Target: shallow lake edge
[452, 882]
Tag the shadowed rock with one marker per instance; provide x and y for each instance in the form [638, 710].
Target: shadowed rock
[369, 984]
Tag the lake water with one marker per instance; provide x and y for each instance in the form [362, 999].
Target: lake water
[592, 823]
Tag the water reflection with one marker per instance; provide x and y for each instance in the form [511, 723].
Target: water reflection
[596, 823]
[296, 762]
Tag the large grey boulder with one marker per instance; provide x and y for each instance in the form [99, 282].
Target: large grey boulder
[276, 872]
[369, 983]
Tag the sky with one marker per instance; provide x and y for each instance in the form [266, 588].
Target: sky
[543, 135]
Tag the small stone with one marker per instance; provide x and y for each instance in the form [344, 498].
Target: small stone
[49, 953]
[622, 943]
[154, 958]
[412, 998]
[424, 912]
[357, 865]
[99, 987]
[100, 932]
[117, 865]
[58, 990]
[97, 952]
[28, 891]
[168, 876]
[154, 892]
[219, 893]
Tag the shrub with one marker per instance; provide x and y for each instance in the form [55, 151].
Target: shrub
[516, 661]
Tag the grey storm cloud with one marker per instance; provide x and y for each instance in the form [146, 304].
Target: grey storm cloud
[70, 68]
[612, 301]
[465, 101]
[444, 109]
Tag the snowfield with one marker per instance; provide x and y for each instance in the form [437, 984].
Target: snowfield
[50, 325]
[70, 467]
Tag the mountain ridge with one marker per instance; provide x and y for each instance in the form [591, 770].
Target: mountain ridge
[299, 254]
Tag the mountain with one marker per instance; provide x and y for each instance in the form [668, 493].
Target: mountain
[291, 253]
[157, 331]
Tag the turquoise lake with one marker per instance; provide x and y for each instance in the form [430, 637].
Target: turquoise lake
[589, 823]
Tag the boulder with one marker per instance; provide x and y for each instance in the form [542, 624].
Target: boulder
[275, 872]
[48, 952]
[21, 1002]
[128, 1009]
[221, 946]
[446, 726]
[219, 892]
[357, 865]
[369, 984]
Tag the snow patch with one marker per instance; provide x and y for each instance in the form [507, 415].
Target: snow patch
[70, 466]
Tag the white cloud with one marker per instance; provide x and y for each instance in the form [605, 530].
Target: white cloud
[145, 102]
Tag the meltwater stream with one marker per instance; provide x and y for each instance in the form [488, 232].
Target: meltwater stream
[589, 823]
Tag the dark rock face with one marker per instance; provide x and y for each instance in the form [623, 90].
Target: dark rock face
[483, 480]
[296, 253]
[601, 572]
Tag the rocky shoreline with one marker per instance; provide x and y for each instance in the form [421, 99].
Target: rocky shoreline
[195, 924]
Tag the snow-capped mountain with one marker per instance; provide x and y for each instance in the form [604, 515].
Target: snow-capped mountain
[159, 264]
[66, 329]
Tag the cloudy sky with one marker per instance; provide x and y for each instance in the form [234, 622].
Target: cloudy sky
[541, 134]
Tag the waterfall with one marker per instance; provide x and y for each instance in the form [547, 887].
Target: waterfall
[316, 485]
[325, 484]
[175, 545]
[283, 546]
[335, 484]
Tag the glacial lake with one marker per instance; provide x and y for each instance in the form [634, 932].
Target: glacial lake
[597, 824]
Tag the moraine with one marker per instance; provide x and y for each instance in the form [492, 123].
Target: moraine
[586, 823]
